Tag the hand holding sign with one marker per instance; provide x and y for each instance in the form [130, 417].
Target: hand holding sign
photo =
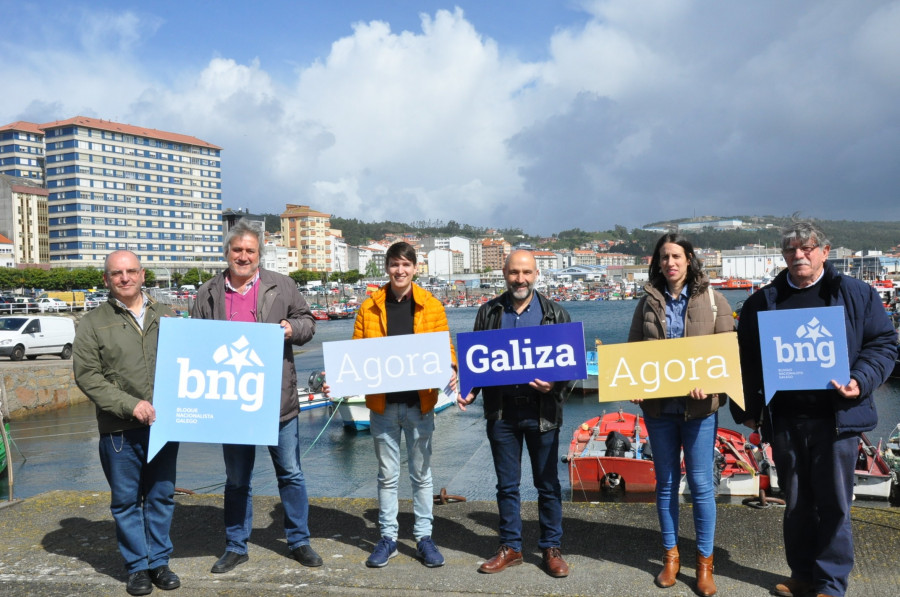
[665, 368]
[222, 387]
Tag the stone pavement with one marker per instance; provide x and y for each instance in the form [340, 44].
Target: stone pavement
[63, 543]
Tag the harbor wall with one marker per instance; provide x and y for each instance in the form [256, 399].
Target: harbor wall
[38, 386]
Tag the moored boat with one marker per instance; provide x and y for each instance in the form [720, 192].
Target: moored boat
[732, 284]
[319, 314]
[610, 452]
[355, 414]
[736, 465]
[873, 477]
[312, 396]
[891, 454]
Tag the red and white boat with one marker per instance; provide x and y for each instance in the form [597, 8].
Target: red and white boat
[598, 459]
[873, 477]
[731, 284]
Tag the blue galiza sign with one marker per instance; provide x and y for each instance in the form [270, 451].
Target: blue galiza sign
[520, 355]
[389, 364]
[222, 386]
[803, 349]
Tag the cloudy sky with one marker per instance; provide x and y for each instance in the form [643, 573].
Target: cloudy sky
[540, 114]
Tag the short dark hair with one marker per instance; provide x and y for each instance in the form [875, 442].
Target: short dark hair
[695, 266]
[803, 231]
[400, 250]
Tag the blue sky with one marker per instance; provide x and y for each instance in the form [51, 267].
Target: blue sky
[538, 114]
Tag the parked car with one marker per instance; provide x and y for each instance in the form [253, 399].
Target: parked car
[91, 303]
[53, 305]
[8, 305]
[29, 336]
[27, 305]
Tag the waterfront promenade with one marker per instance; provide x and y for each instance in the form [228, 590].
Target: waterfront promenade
[62, 543]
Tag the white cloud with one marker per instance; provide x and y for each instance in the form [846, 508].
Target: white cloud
[640, 112]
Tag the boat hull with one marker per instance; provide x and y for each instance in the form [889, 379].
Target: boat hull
[355, 414]
[592, 470]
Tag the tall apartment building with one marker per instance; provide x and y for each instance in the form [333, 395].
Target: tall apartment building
[22, 151]
[117, 186]
[307, 230]
[23, 219]
[494, 253]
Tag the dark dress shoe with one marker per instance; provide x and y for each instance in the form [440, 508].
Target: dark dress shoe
[307, 556]
[228, 561]
[164, 578]
[505, 557]
[554, 564]
[139, 583]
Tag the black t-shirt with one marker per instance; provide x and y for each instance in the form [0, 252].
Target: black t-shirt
[399, 323]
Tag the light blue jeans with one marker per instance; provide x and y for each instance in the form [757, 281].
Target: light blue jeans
[386, 430]
[668, 436]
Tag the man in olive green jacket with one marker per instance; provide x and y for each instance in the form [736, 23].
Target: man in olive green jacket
[115, 364]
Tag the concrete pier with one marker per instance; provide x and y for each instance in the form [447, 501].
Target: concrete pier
[63, 543]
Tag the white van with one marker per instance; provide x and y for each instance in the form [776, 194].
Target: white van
[30, 336]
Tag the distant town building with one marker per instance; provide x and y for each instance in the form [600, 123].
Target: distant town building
[307, 231]
[752, 264]
[546, 260]
[119, 186]
[275, 259]
[22, 151]
[23, 219]
[494, 252]
[231, 216]
[7, 257]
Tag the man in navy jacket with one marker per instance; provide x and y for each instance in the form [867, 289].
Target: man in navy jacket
[815, 433]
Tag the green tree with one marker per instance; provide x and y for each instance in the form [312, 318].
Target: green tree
[302, 276]
[374, 269]
[195, 276]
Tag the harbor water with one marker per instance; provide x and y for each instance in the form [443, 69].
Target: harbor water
[58, 450]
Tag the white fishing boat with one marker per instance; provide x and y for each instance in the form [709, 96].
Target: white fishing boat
[355, 415]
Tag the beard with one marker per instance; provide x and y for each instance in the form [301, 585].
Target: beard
[520, 292]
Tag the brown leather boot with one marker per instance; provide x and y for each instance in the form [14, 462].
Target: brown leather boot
[671, 566]
[706, 586]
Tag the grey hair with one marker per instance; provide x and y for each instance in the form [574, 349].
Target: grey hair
[803, 231]
[243, 228]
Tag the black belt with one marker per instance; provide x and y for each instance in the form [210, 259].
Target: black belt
[521, 400]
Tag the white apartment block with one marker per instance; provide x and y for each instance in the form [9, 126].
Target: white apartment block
[23, 219]
[117, 186]
[752, 263]
[275, 259]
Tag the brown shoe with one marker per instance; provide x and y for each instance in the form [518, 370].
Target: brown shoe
[554, 564]
[792, 587]
[504, 558]
[671, 567]
[706, 586]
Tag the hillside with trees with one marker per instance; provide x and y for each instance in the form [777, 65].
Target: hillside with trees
[758, 230]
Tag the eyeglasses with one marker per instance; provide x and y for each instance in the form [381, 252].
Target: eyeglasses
[118, 273]
[805, 249]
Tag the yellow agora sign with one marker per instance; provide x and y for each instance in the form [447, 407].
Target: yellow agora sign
[667, 368]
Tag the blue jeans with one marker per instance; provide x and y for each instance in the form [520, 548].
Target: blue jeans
[815, 472]
[239, 460]
[417, 429]
[506, 437]
[669, 435]
[141, 496]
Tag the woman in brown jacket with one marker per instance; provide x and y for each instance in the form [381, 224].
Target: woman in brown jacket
[677, 303]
